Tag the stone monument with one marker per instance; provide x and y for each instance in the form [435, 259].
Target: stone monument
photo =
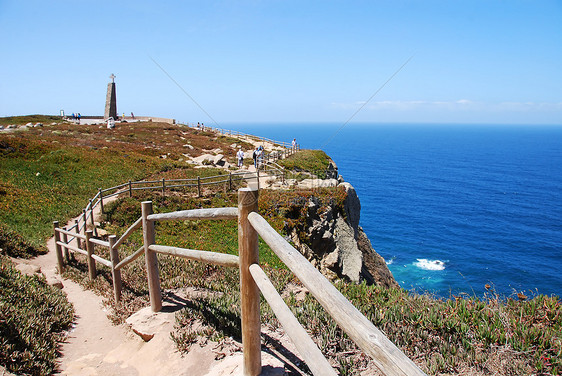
[111, 100]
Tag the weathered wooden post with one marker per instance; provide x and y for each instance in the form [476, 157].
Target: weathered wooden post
[92, 218]
[77, 230]
[90, 251]
[58, 250]
[248, 253]
[101, 200]
[199, 186]
[163, 186]
[230, 181]
[258, 176]
[150, 258]
[65, 241]
[116, 273]
[130, 189]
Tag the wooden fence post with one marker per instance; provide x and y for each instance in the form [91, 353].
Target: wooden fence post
[258, 174]
[58, 250]
[65, 241]
[77, 230]
[199, 186]
[163, 186]
[101, 200]
[248, 253]
[130, 189]
[116, 274]
[90, 250]
[150, 258]
[92, 218]
[230, 181]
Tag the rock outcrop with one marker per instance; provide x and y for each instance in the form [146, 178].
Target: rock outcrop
[333, 241]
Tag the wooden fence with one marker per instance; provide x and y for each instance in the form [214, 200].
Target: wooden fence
[388, 358]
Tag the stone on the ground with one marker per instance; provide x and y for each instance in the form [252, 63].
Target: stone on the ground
[55, 282]
[205, 159]
[28, 269]
[146, 323]
[188, 146]
[218, 159]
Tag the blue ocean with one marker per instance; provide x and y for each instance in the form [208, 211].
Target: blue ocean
[452, 208]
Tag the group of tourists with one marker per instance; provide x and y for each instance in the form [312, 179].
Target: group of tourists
[257, 155]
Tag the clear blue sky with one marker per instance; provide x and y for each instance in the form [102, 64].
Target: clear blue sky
[286, 61]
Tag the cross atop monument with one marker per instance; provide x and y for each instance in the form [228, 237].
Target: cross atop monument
[112, 77]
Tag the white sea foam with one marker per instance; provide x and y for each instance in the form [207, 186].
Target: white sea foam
[429, 264]
[391, 261]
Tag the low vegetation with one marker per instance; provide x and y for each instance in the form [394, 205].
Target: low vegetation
[33, 318]
[314, 162]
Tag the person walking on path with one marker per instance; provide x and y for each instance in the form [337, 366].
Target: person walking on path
[294, 144]
[240, 156]
[255, 156]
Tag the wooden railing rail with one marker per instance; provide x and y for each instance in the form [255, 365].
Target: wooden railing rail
[128, 232]
[193, 254]
[127, 260]
[305, 345]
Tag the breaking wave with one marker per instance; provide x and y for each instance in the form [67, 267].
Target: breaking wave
[430, 264]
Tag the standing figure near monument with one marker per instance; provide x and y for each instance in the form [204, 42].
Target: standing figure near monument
[240, 156]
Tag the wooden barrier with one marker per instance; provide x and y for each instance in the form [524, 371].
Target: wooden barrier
[386, 356]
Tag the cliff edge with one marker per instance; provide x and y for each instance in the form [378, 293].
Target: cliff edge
[332, 240]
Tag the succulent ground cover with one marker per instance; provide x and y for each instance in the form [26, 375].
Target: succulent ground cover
[33, 319]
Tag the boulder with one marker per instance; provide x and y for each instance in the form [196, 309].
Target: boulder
[218, 159]
[188, 146]
[205, 159]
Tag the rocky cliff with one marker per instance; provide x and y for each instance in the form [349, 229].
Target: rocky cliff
[331, 239]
